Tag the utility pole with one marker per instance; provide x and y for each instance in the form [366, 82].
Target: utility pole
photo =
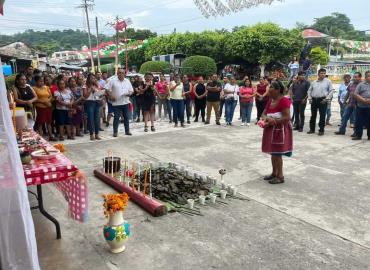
[97, 41]
[86, 4]
[114, 24]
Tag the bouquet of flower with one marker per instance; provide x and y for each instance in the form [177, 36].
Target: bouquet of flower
[114, 203]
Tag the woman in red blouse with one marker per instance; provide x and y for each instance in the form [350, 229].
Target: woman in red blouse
[261, 96]
[277, 135]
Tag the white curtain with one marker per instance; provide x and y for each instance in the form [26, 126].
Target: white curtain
[18, 250]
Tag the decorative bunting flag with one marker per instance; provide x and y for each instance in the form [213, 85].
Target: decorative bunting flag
[2, 7]
[363, 46]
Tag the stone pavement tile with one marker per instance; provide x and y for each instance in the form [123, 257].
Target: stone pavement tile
[241, 235]
[331, 200]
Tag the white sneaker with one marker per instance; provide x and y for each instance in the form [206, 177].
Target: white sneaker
[242, 124]
[248, 124]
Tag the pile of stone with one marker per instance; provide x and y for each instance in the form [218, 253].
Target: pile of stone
[177, 184]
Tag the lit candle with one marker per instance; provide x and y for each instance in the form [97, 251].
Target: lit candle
[145, 180]
[150, 180]
[124, 171]
[111, 167]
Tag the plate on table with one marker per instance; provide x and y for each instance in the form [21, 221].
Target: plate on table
[42, 154]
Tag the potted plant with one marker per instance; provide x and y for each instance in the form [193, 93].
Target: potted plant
[117, 229]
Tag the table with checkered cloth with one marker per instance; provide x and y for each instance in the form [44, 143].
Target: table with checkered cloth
[69, 180]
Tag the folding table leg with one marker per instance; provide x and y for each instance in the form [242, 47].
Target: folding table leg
[46, 214]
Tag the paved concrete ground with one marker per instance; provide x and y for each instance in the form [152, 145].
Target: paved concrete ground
[318, 219]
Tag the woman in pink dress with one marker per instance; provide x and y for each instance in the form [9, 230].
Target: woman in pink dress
[277, 135]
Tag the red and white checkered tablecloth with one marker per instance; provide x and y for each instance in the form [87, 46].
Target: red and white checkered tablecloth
[66, 176]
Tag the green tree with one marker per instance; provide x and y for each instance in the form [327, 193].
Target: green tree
[138, 34]
[338, 25]
[319, 56]
[264, 43]
[199, 65]
[155, 66]
[205, 43]
[135, 57]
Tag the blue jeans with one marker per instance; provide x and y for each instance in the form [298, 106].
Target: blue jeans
[187, 103]
[246, 108]
[123, 110]
[230, 105]
[169, 109]
[93, 116]
[178, 110]
[362, 119]
[349, 113]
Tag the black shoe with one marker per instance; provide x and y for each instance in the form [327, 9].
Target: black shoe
[170, 122]
[128, 134]
[356, 139]
[300, 130]
[296, 128]
[203, 120]
[152, 128]
[196, 120]
[276, 180]
[339, 133]
[188, 121]
[145, 129]
[182, 125]
[107, 124]
[353, 135]
[138, 120]
[311, 132]
[115, 135]
[100, 129]
[206, 123]
[321, 133]
[218, 123]
[269, 177]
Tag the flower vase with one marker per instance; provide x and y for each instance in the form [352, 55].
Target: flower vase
[116, 232]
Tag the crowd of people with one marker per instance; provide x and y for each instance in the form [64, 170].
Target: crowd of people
[77, 105]
[67, 106]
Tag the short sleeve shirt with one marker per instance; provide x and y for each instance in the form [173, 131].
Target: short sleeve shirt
[363, 90]
[213, 96]
[283, 104]
[65, 96]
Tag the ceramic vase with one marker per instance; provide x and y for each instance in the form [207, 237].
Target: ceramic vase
[116, 232]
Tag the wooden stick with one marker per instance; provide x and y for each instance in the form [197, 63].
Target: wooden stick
[133, 176]
[139, 177]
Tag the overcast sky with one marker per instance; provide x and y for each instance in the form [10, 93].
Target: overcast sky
[163, 16]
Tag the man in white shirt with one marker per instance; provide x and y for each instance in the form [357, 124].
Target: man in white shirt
[319, 94]
[120, 90]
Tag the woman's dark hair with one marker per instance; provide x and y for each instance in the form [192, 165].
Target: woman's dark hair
[17, 78]
[47, 76]
[70, 79]
[249, 83]
[37, 78]
[58, 82]
[278, 85]
[89, 78]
